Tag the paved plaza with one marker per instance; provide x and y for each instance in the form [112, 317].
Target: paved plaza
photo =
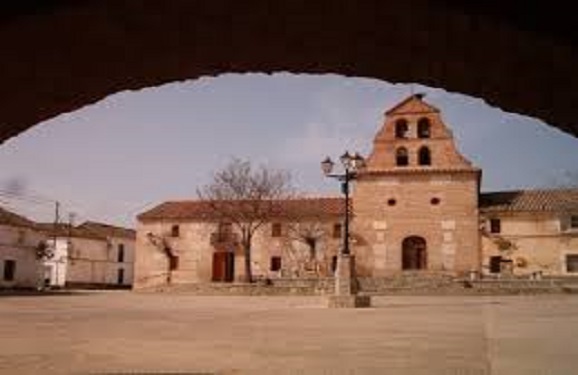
[128, 332]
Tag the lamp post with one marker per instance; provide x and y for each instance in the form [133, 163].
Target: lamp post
[345, 294]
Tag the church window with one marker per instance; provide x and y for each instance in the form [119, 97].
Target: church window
[401, 157]
[423, 128]
[401, 128]
[424, 156]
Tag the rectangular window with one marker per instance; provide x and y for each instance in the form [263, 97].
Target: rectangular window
[21, 237]
[224, 233]
[572, 263]
[495, 264]
[173, 263]
[337, 229]
[333, 263]
[120, 276]
[175, 231]
[574, 221]
[120, 254]
[225, 228]
[495, 226]
[9, 270]
[276, 230]
[275, 263]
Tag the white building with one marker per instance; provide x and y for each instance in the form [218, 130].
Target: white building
[19, 244]
[91, 255]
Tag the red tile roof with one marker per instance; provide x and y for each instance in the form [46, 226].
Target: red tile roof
[554, 200]
[282, 209]
[12, 219]
[107, 230]
[413, 104]
[65, 230]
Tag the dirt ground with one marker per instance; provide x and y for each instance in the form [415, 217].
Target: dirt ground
[128, 332]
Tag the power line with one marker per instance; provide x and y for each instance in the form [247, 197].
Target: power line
[27, 198]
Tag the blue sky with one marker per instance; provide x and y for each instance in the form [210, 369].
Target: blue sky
[111, 160]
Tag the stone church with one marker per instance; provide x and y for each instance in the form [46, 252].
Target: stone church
[417, 207]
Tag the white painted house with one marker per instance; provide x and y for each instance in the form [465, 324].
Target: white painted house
[19, 243]
[90, 255]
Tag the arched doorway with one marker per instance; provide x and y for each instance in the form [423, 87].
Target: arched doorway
[414, 253]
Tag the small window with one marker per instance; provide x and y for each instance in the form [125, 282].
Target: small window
[574, 221]
[423, 128]
[401, 128]
[120, 254]
[495, 264]
[21, 237]
[175, 231]
[391, 202]
[401, 157]
[173, 262]
[337, 229]
[333, 263]
[572, 263]
[275, 263]
[9, 270]
[424, 156]
[435, 201]
[120, 276]
[276, 230]
[495, 226]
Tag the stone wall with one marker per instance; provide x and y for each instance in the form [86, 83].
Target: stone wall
[401, 285]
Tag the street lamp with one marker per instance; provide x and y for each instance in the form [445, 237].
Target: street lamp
[345, 294]
[352, 164]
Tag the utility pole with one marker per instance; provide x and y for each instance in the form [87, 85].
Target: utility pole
[71, 216]
[56, 221]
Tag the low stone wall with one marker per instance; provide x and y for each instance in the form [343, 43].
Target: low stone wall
[394, 285]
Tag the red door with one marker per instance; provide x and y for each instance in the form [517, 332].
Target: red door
[223, 266]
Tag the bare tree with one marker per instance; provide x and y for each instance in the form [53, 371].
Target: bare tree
[308, 232]
[162, 243]
[246, 197]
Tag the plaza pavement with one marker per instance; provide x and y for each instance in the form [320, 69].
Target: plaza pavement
[128, 332]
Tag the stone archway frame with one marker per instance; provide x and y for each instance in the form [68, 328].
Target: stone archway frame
[69, 54]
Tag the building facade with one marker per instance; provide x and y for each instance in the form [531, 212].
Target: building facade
[20, 242]
[91, 255]
[416, 202]
[186, 241]
[530, 232]
[417, 207]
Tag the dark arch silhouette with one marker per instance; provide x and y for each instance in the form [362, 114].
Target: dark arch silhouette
[401, 157]
[414, 253]
[423, 128]
[424, 156]
[65, 55]
[401, 128]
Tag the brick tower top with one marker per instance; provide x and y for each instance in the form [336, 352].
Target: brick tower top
[414, 138]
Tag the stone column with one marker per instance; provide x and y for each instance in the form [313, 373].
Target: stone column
[345, 295]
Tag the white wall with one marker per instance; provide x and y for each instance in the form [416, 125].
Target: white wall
[19, 244]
